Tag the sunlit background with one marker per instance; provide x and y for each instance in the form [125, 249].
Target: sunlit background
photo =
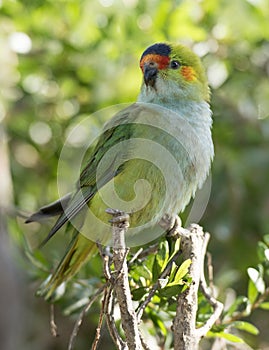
[62, 60]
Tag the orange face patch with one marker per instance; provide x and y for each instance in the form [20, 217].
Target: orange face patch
[162, 61]
[188, 73]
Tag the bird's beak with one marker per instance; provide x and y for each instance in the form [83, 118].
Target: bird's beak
[150, 73]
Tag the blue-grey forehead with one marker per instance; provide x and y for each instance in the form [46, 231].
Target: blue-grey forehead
[158, 49]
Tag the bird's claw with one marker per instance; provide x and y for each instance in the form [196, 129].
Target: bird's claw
[172, 225]
[118, 216]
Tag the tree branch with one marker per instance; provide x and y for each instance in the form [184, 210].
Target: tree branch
[217, 306]
[53, 326]
[108, 301]
[109, 309]
[185, 319]
[129, 320]
[99, 325]
[186, 335]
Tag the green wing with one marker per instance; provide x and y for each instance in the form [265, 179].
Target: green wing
[117, 130]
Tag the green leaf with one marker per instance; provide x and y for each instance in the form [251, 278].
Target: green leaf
[156, 270]
[231, 337]
[253, 274]
[162, 326]
[163, 255]
[252, 291]
[175, 248]
[170, 291]
[266, 239]
[263, 252]
[256, 277]
[160, 260]
[173, 272]
[182, 270]
[264, 306]
[245, 326]
[139, 293]
[143, 271]
[266, 253]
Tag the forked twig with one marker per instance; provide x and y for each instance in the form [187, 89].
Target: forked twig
[120, 224]
[186, 336]
[207, 292]
[99, 325]
[111, 325]
[108, 301]
[53, 326]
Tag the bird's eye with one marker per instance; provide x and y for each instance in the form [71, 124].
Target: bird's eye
[174, 64]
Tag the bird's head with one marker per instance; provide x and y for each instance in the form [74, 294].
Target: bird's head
[172, 72]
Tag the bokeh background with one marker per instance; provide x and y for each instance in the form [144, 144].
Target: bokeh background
[62, 60]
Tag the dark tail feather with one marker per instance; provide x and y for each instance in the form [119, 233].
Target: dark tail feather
[59, 223]
[53, 209]
[77, 205]
[63, 219]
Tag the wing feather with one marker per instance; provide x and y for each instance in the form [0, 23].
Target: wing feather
[115, 132]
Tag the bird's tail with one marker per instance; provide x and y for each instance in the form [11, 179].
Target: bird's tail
[78, 252]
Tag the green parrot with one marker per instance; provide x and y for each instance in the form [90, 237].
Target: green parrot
[148, 162]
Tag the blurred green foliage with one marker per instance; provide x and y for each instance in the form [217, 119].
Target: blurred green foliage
[62, 60]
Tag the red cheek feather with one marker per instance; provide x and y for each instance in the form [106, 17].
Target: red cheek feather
[188, 73]
[162, 61]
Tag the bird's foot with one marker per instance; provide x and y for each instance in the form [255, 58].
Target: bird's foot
[118, 217]
[172, 225]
